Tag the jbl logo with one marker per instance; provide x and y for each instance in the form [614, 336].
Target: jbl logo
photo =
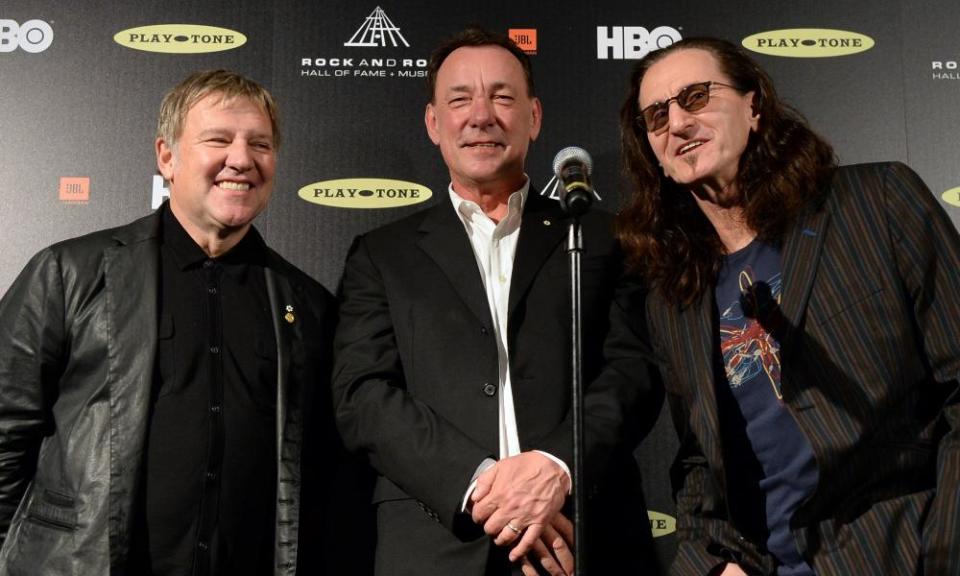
[524, 38]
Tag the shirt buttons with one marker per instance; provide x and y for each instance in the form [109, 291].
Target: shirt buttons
[202, 546]
[215, 409]
[214, 349]
[489, 389]
[211, 476]
[211, 290]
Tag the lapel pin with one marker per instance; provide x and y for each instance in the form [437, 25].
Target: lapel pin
[547, 222]
[289, 317]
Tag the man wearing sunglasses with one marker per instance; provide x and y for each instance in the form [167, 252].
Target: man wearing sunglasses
[806, 317]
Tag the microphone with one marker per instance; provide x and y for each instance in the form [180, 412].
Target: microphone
[572, 167]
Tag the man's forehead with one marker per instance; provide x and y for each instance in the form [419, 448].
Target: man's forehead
[488, 58]
[678, 70]
[220, 101]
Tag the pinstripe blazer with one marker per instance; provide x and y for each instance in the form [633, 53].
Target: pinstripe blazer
[870, 353]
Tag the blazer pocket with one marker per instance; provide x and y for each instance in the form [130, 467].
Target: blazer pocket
[830, 307]
[53, 509]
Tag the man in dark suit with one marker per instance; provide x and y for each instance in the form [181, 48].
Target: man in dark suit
[162, 384]
[807, 317]
[451, 371]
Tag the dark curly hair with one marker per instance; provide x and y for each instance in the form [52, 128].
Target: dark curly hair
[666, 237]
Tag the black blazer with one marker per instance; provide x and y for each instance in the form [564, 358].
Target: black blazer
[416, 372]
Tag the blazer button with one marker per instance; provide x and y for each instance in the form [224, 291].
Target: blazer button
[489, 389]
[483, 330]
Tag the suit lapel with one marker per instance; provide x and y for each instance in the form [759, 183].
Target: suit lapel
[445, 241]
[280, 297]
[542, 228]
[800, 261]
[131, 271]
[697, 329]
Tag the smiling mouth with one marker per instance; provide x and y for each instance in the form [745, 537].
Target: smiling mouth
[690, 146]
[241, 186]
[482, 145]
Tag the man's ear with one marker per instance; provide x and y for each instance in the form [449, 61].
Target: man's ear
[536, 118]
[165, 158]
[430, 121]
[754, 111]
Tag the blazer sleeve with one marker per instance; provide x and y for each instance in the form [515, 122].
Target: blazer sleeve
[405, 440]
[32, 341]
[927, 248]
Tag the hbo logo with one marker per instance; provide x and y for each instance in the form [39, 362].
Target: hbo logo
[632, 42]
[32, 36]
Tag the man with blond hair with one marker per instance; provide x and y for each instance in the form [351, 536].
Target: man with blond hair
[160, 381]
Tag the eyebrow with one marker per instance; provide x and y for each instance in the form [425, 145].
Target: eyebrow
[677, 93]
[495, 86]
[229, 132]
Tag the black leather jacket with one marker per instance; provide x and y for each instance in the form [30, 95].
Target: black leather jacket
[77, 345]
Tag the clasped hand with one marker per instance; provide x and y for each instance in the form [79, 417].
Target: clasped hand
[518, 502]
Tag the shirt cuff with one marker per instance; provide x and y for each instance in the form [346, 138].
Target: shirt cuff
[487, 463]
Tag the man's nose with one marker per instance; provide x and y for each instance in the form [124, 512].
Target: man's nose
[678, 118]
[239, 156]
[481, 111]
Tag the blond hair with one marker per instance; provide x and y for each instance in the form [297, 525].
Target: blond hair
[228, 85]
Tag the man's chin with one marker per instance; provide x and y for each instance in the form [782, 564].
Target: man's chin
[236, 218]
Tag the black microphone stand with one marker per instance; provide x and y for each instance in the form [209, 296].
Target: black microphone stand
[572, 167]
[574, 248]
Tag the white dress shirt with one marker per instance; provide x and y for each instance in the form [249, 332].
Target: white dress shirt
[494, 246]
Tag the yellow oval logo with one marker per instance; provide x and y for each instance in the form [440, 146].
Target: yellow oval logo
[952, 196]
[808, 42]
[180, 38]
[365, 193]
[661, 524]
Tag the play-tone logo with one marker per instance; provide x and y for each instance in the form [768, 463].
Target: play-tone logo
[32, 36]
[952, 196]
[661, 524]
[365, 193]
[632, 42]
[808, 42]
[180, 38]
[75, 190]
[524, 38]
[377, 30]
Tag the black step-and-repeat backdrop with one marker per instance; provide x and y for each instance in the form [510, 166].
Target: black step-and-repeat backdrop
[80, 84]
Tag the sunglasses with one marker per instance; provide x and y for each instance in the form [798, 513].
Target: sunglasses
[694, 97]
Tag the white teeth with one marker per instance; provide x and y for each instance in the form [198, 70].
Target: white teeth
[690, 146]
[484, 145]
[234, 185]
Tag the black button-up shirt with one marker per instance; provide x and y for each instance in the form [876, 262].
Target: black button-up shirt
[208, 499]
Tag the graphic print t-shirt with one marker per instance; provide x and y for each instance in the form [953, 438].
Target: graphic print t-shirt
[771, 469]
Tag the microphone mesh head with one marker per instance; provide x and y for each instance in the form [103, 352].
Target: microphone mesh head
[572, 153]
